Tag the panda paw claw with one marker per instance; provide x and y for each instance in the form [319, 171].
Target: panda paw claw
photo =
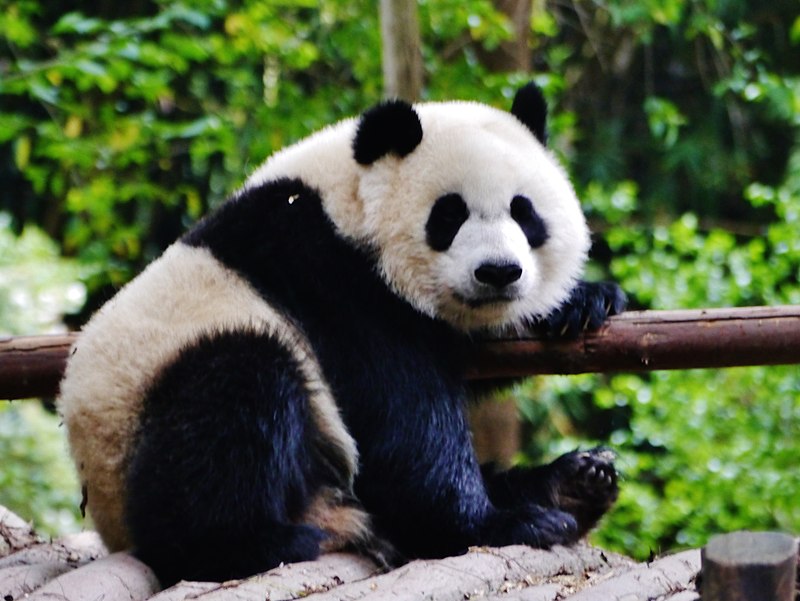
[587, 308]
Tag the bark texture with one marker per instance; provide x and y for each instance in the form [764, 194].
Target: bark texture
[31, 366]
[75, 569]
[402, 49]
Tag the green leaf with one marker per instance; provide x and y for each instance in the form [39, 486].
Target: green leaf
[43, 92]
[78, 23]
[11, 125]
[664, 119]
[795, 31]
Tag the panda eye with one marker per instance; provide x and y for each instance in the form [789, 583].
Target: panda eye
[528, 219]
[448, 214]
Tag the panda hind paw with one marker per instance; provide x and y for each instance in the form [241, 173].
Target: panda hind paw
[533, 525]
[585, 485]
[383, 553]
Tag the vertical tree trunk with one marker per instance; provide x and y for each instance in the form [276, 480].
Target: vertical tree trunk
[495, 422]
[496, 429]
[513, 54]
[402, 49]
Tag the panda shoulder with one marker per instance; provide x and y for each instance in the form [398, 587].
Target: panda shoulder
[317, 160]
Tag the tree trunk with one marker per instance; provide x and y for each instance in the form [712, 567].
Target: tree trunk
[495, 421]
[513, 54]
[402, 49]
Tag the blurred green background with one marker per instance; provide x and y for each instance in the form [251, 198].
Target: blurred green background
[122, 123]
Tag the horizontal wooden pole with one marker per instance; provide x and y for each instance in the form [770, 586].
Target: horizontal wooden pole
[31, 366]
[655, 340]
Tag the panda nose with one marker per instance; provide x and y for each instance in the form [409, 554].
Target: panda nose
[498, 275]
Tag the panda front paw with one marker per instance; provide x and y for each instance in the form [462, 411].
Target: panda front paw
[587, 308]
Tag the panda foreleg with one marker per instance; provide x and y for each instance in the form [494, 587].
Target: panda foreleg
[226, 464]
[581, 483]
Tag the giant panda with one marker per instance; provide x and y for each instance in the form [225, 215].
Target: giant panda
[288, 379]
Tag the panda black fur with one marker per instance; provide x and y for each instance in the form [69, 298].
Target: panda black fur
[287, 379]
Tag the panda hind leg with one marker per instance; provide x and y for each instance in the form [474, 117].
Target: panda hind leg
[348, 527]
[224, 467]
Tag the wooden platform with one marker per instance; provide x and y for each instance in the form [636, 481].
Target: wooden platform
[78, 568]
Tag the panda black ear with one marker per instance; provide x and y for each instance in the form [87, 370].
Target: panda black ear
[530, 107]
[391, 126]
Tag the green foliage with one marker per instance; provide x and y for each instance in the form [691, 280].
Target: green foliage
[701, 451]
[705, 452]
[37, 479]
[124, 129]
[121, 124]
[693, 177]
[37, 286]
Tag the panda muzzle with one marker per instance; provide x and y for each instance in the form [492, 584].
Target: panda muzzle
[498, 275]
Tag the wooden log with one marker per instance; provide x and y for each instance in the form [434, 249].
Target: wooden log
[28, 562]
[749, 566]
[482, 573]
[20, 581]
[653, 340]
[31, 366]
[71, 549]
[291, 581]
[668, 575]
[507, 573]
[15, 533]
[634, 341]
[117, 576]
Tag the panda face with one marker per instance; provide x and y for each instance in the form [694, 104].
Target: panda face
[501, 275]
[471, 218]
[477, 225]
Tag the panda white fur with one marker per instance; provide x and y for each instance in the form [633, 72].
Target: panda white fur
[287, 379]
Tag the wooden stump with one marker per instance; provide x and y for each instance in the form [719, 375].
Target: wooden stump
[749, 566]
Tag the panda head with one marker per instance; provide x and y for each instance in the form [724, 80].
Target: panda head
[472, 219]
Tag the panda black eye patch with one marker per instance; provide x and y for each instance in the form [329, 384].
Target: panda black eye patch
[528, 219]
[448, 214]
